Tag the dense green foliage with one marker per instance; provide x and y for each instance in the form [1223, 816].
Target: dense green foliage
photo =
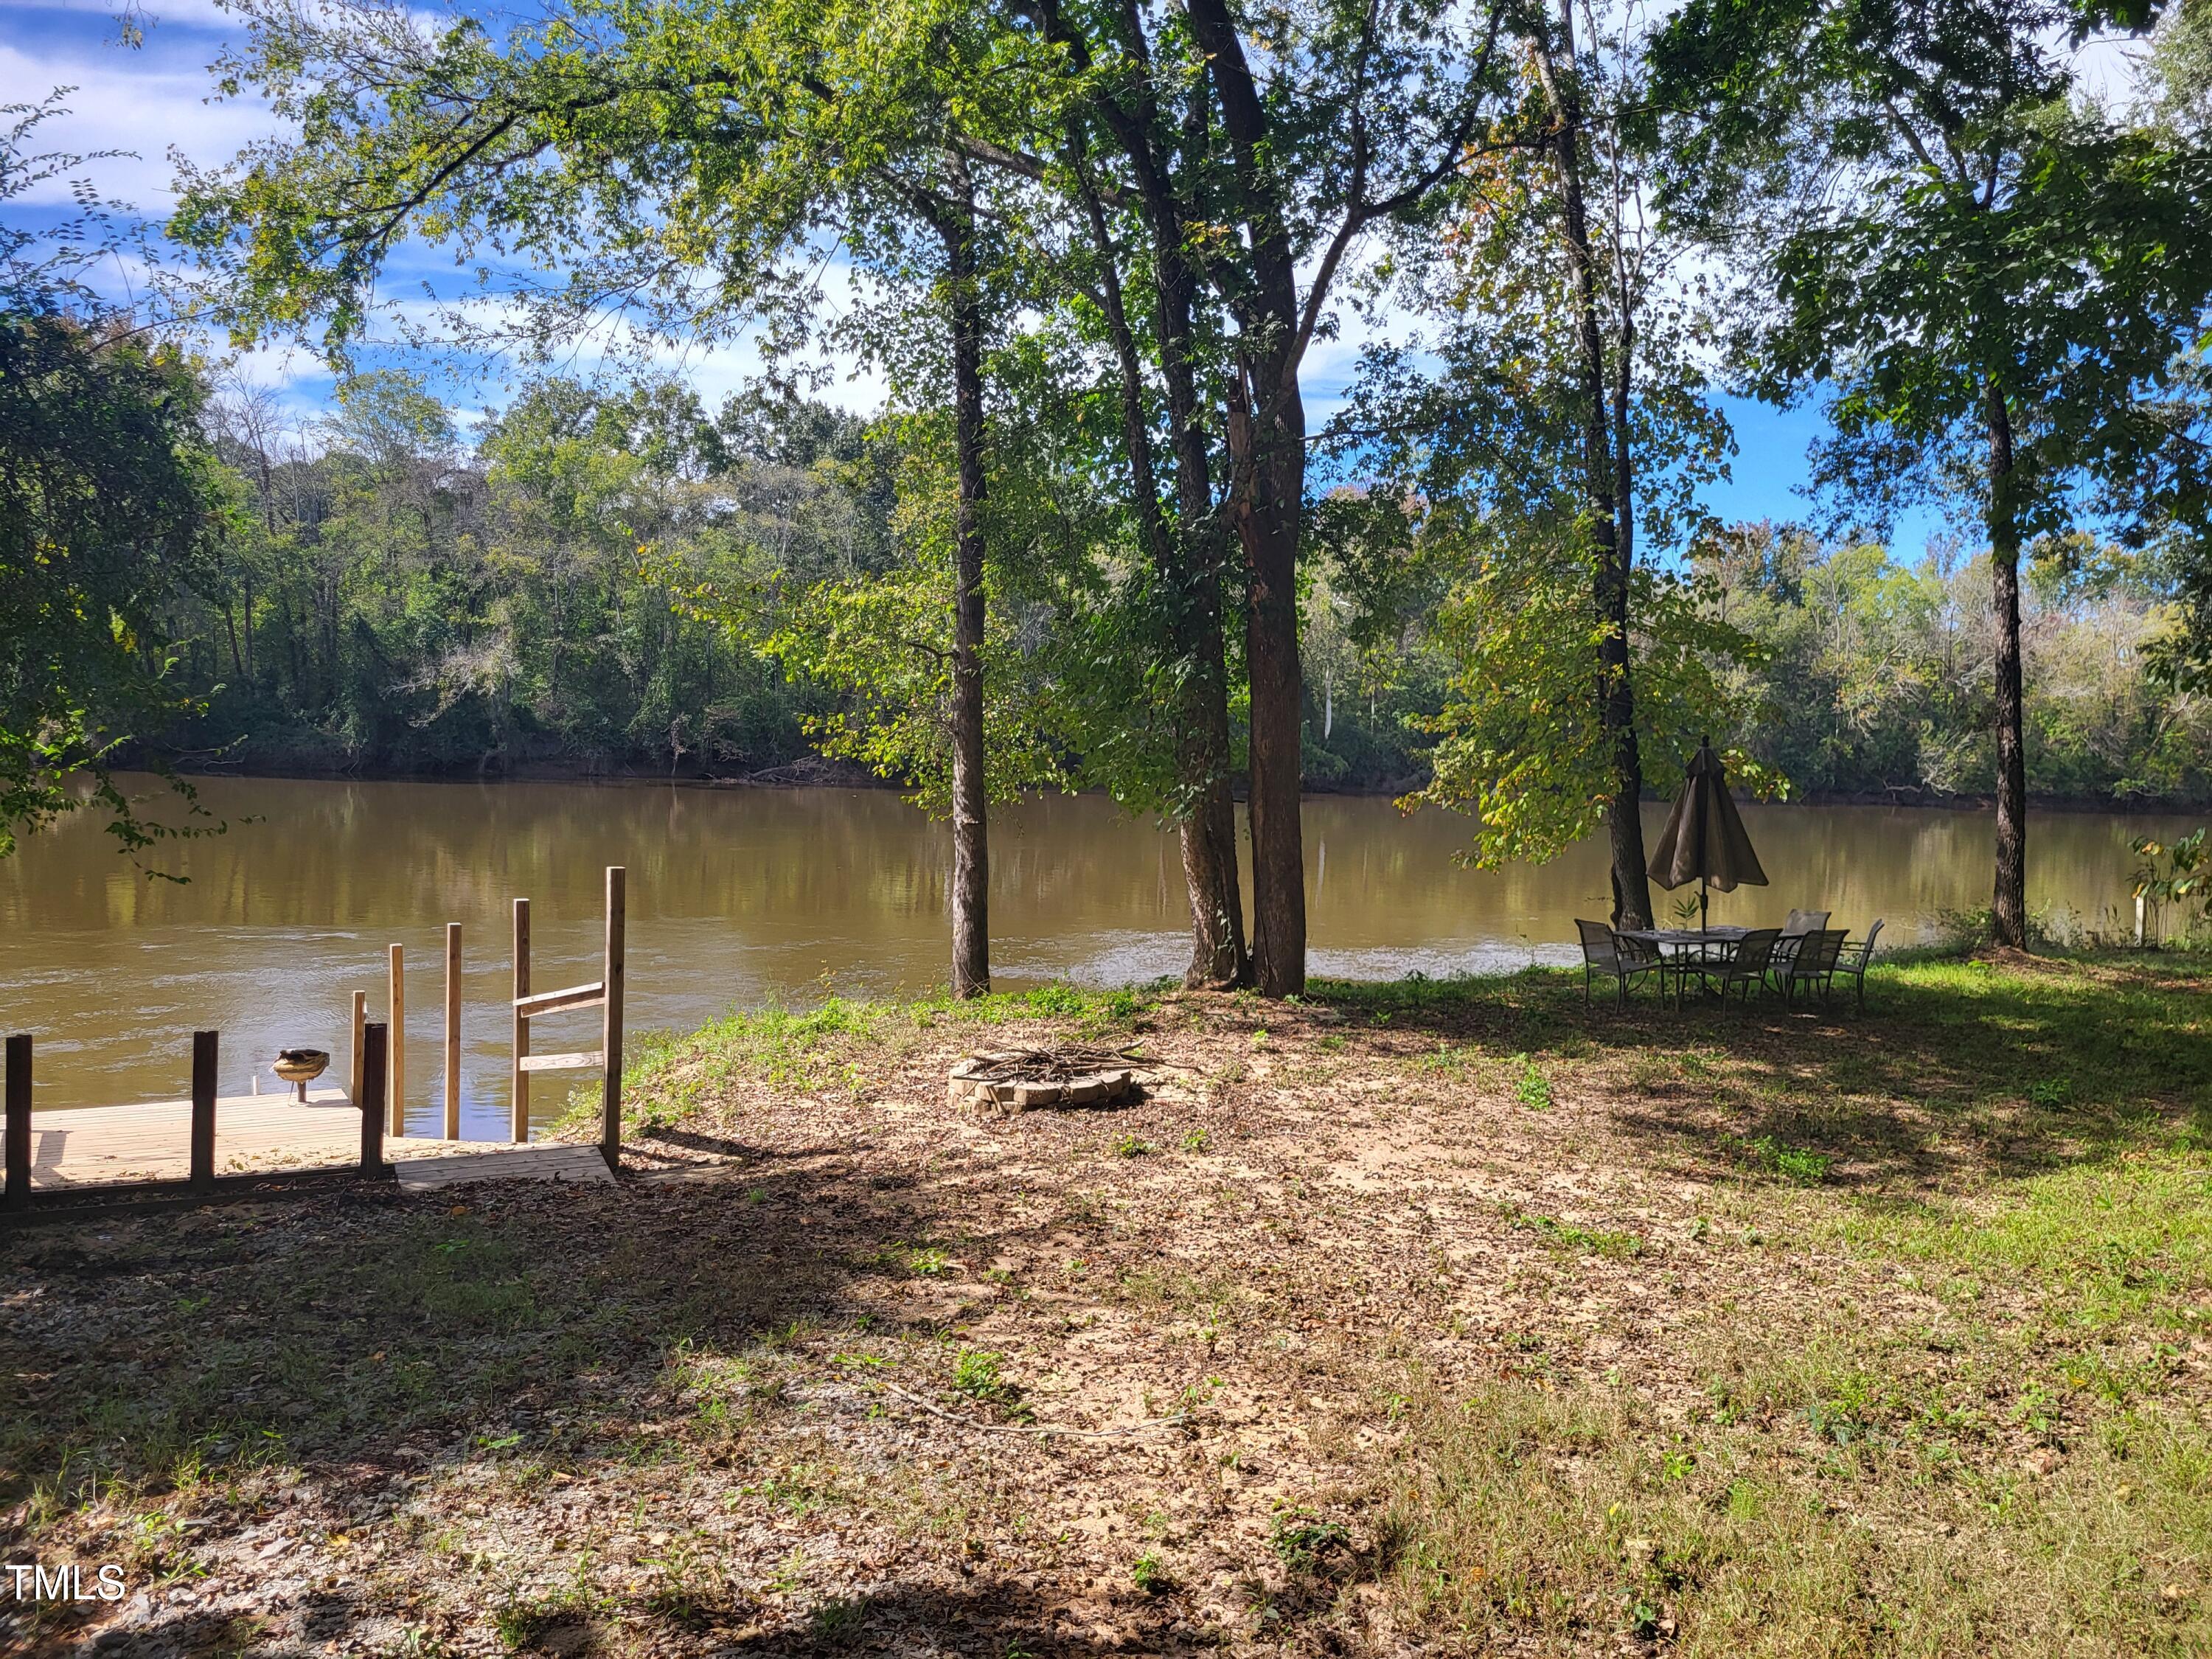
[398, 600]
[1995, 282]
[110, 503]
[1559, 425]
[1875, 676]
[391, 597]
[622, 581]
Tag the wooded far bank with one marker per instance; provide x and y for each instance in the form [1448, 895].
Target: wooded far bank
[393, 599]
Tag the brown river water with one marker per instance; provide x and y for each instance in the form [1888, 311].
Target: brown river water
[740, 898]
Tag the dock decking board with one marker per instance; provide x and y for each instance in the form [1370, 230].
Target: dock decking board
[95, 1145]
[512, 1164]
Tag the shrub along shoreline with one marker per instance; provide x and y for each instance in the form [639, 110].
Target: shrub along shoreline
[1427, 1316]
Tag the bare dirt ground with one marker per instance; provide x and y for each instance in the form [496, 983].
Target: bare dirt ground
[1424, 1318]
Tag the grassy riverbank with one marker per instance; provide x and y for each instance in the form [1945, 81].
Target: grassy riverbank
[1416, 1317]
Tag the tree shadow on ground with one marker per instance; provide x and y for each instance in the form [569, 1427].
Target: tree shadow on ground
[373, 1340]
[691, 1141]
[988, 1617]
[2008, 1069]
[991, 1618]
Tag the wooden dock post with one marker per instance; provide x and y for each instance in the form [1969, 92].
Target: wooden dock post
[518, 1078]
[396, 1053]
[610, 1021]
[453, 1030]
[18, 1195]
[372, 1053]
[203, 1072]
[353, 1071]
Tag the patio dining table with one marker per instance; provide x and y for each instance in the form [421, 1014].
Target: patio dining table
[1688, 949]
[1687, 938]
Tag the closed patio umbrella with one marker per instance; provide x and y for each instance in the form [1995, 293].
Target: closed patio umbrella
[1705, 841]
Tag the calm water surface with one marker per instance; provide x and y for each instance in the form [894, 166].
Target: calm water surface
[743, 896]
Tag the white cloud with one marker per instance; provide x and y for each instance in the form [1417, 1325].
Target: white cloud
[159, 20]
[122, 101]
[470, 381]
[150, 99]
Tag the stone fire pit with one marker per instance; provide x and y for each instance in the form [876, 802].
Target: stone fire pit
[1009, 1080]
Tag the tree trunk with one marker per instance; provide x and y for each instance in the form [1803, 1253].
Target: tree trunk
[1267, 453]
[1266, 444]
[1218, 956]
[230, 623]
[327, 602]
[1208, 831]
[1607, 472]
[269, 529]
[2009, 905]
[971, 865]
[293, 649]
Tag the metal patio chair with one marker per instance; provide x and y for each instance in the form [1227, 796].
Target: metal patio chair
[1794, 928]
[1852, 963]
[1747, 969]
[1625, 960]
[1812, 964]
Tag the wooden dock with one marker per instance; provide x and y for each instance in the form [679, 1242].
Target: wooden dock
[206, 1143]
[95, 1145]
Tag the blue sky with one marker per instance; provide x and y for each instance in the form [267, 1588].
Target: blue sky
[157, 97]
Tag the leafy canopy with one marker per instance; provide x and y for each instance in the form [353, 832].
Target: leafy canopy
[109, 501]
[1929, 215]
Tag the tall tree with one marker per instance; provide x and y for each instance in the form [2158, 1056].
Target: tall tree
[1132, 129]
[682, 165]
[950, 211]
[1556, 422]
[1261, 187]
[1609, 263]
[1992, 280]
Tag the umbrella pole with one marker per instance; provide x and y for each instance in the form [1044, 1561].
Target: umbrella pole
[1703, 899]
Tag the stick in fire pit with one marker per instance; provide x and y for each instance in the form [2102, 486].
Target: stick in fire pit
[1011, 1080]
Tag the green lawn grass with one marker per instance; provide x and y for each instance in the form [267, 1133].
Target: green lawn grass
[2011, 1452]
